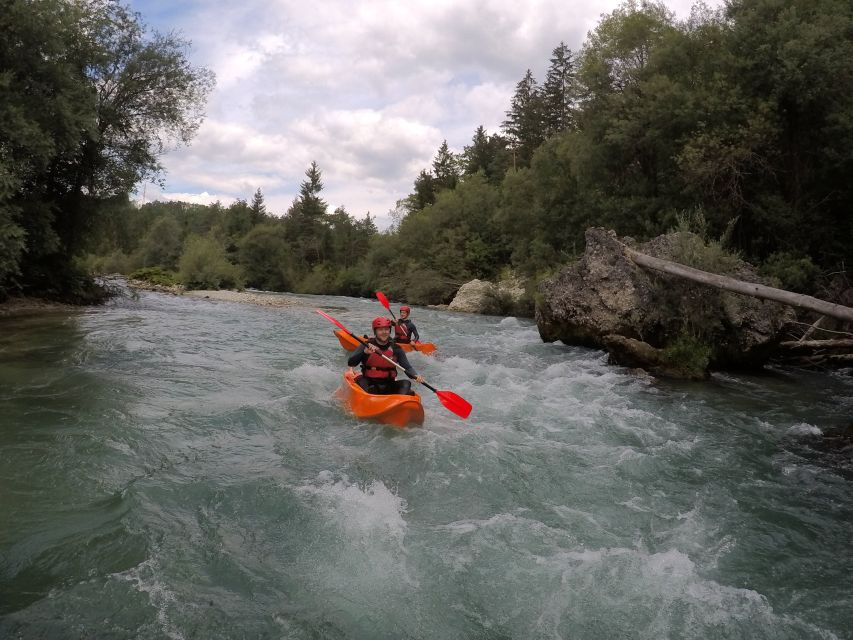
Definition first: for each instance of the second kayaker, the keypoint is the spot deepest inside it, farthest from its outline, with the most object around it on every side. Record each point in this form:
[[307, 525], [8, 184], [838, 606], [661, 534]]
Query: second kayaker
[[405, 330], [378, 375]]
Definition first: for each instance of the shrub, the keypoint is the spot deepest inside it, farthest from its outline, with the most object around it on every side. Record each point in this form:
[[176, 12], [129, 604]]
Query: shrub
[[688, 354], [203, 265], [155, 275], [790, 270]]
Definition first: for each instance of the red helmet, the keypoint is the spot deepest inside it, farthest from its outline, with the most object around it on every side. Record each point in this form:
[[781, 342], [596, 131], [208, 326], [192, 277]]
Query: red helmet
[[381, 321], [406, 309]]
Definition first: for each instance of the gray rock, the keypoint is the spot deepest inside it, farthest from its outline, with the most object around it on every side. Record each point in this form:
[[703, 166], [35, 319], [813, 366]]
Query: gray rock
[[605, 294], [477, 296]]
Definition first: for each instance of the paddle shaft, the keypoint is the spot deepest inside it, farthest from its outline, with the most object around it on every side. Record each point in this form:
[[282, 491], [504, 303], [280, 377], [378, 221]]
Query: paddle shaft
[[384, 302], [395, 363]]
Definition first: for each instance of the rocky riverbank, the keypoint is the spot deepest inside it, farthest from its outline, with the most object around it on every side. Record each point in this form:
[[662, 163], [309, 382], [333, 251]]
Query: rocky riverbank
[[220, 295], [245, 297], [664, 324]]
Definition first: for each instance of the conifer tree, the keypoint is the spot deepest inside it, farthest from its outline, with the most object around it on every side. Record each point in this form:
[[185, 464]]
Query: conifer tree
[[558, 92], [524, 123], [258, 208], [445, 168]]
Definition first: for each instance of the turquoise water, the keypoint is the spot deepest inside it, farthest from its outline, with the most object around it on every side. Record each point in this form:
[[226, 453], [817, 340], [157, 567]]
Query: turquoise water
[[179, 468]]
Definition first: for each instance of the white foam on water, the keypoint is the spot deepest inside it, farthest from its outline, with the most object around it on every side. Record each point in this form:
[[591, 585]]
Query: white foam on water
[[361, 511], [804, 429], [358, 559], [144, 578], [314, 381], [510, 323], [668, 586], [570, 514]]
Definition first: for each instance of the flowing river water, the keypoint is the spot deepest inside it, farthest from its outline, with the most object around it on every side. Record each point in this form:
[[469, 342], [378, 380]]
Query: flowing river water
[[180, 468]]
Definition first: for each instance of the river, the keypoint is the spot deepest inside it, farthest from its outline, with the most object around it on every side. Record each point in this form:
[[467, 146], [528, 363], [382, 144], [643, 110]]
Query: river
[[180, 468]]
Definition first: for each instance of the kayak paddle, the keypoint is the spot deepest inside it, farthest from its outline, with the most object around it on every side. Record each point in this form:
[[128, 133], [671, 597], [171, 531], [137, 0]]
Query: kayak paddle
[[455, 403], [381, 297]]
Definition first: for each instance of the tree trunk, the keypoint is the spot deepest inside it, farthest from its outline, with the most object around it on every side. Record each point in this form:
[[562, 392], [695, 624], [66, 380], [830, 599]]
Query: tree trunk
[[726, 283], [818, 344]]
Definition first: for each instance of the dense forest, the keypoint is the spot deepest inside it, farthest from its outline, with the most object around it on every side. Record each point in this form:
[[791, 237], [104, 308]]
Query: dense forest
[[740, 118]]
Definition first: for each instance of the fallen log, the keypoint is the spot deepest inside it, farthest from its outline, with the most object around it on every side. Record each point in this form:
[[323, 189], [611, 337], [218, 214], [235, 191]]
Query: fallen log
[[817, 344], [753, 289], [812, 328]]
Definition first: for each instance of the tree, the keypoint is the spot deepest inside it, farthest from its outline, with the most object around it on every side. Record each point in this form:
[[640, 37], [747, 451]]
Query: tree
[[424, 195], [203, 265], [307, 228], [88, 102], [258, 208], [162, 245], [445, 168], [487, 154], [266, 258], [558, 92], [524, 123]]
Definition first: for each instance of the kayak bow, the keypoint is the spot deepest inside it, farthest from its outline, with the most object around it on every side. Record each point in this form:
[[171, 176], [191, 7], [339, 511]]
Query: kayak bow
[[396, 410]]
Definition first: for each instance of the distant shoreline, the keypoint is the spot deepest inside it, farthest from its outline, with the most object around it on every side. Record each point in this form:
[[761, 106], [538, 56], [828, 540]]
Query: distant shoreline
[[15, 307], [245, 297], [221, 295]]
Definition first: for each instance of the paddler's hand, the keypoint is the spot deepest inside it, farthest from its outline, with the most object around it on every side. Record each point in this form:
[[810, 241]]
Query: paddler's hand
[[371, 348], [419, 379]]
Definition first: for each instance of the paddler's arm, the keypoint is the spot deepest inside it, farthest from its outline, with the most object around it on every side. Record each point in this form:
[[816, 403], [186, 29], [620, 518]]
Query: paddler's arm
[[403, 361], [357, 356], [413, 332]]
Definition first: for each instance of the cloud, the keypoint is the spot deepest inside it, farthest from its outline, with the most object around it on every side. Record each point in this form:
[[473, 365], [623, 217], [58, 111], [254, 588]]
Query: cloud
[[368, 90]]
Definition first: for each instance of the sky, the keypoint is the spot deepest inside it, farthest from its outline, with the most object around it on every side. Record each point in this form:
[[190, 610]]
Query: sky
[[367, 89]]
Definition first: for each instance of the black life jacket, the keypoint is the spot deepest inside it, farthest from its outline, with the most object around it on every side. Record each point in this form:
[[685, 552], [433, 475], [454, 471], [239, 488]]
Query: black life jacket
[[376, 367]]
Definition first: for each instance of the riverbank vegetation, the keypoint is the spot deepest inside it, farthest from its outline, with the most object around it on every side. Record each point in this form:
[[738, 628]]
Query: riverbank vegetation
[[744, 114], [89, 99]]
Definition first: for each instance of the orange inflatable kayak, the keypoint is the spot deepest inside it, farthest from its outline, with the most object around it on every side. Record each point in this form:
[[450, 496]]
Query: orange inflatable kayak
[[396, 410], [351, 344]]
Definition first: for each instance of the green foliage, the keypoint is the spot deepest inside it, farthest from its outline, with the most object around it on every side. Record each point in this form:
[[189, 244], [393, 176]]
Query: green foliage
[[88, 100], [114, 262], [693, 248], [740, 116], [559, 93], [155, 275], [203, 265], [427, 286], [162, 244], [790, 270], [266, 258], [525, 123], [12, 245], [688, 354]]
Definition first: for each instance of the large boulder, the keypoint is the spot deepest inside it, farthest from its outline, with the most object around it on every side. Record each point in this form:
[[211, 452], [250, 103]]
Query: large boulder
[[605, 294], [477, 296], [480, 296]]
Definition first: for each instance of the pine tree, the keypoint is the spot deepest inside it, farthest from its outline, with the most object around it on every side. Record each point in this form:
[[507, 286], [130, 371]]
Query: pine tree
[[258, 209], [445, 168], [312, 206], [425, 190], [476, 156], [306, 220], [559, 91], [487, 154], [524, 123]]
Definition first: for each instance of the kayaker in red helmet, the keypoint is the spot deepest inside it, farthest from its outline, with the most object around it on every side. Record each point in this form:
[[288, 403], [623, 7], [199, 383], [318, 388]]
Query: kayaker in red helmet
[[405, 330], [378, 375]]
